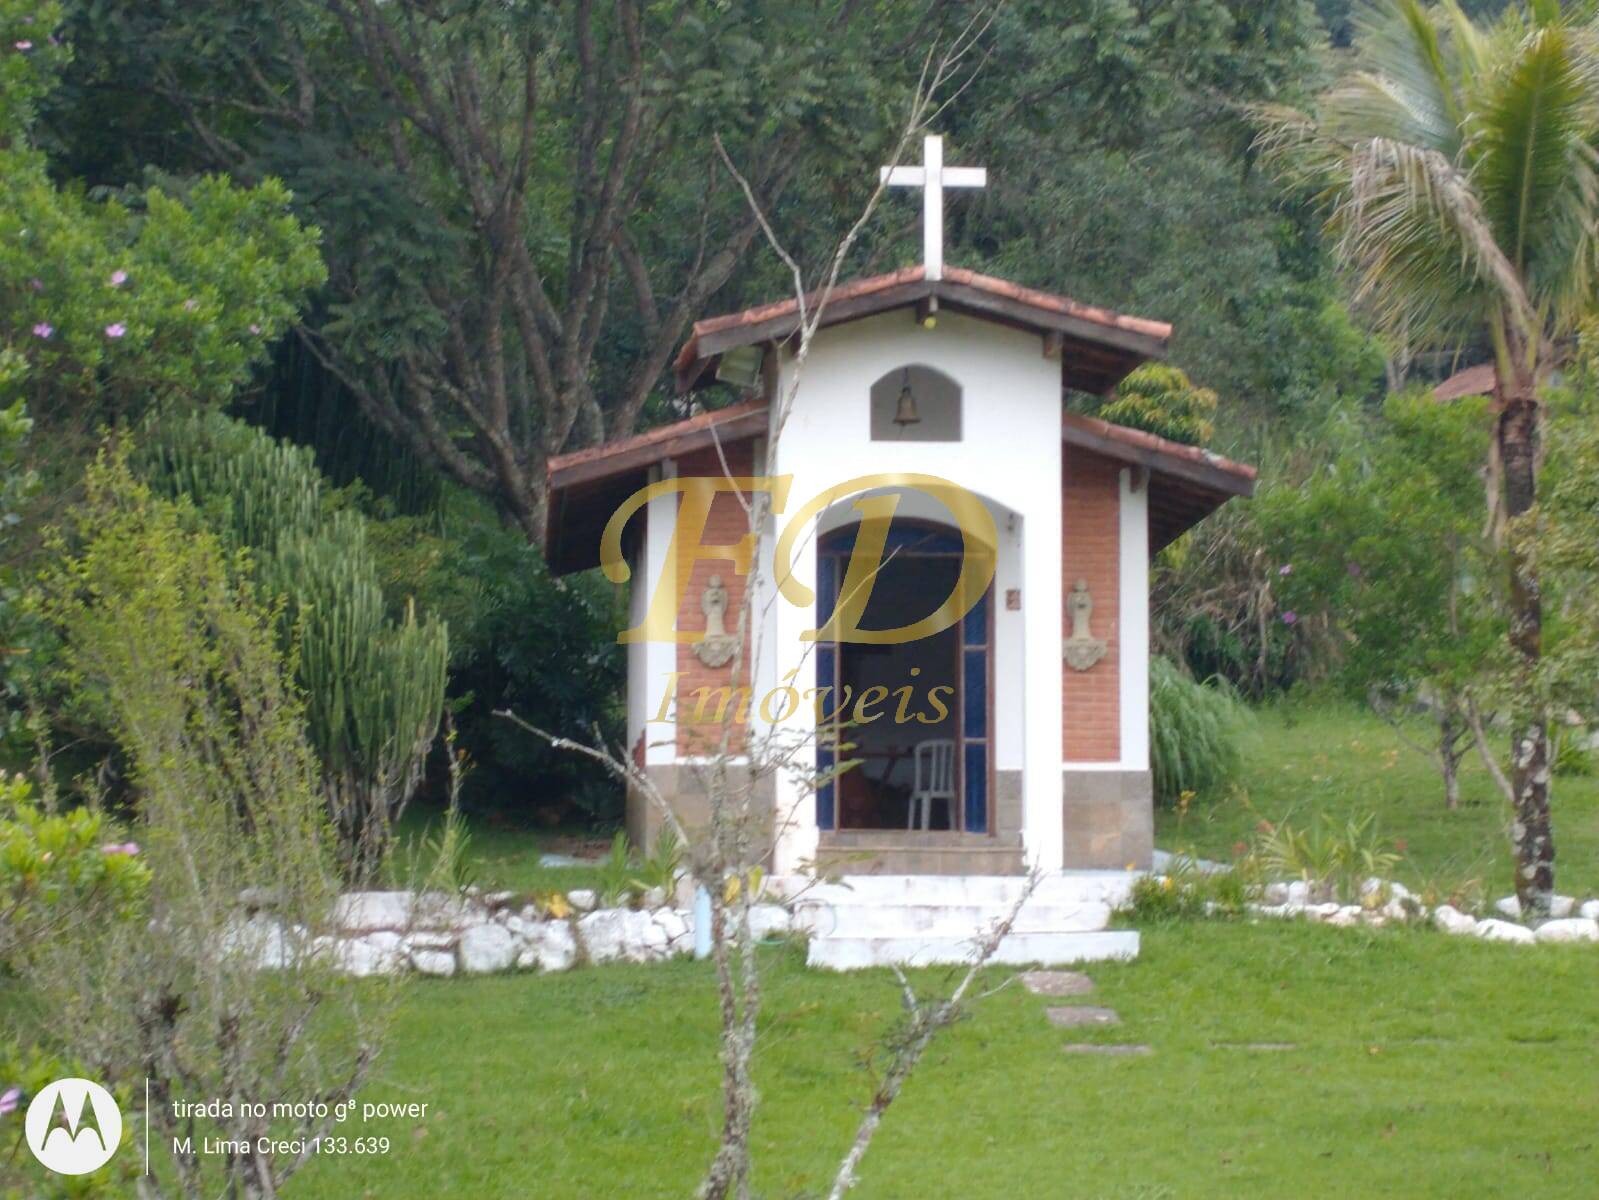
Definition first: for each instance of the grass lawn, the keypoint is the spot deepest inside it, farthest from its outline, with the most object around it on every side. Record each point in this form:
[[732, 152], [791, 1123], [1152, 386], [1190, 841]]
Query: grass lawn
[[1424, 1066], [1340, 761], [502, 856]]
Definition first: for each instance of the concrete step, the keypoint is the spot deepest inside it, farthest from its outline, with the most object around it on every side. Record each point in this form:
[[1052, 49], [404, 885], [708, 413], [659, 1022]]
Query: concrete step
[[998, 891], [918, 839], [821, 918], [1018, 949], [897, 859]]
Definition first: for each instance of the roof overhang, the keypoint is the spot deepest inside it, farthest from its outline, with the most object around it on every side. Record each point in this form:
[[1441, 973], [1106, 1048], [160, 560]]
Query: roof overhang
[[587, 486], [1096, 346], [1186, 483]]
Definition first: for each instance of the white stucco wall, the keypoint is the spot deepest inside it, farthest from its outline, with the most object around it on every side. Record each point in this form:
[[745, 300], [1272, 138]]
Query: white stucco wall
[[1010, 455]]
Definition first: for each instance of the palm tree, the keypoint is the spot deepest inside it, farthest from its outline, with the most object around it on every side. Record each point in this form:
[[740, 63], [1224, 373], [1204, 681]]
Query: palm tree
[[1460, 169]]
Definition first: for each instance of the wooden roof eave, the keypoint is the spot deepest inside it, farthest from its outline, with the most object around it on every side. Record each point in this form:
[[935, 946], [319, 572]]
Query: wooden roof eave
[[1210, 476]]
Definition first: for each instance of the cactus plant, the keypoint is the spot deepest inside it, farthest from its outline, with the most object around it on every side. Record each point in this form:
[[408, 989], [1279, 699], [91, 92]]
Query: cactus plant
[[374, 686]]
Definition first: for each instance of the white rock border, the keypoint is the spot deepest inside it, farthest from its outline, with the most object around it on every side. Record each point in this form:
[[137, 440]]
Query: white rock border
[[1385, 900], [440, 935]]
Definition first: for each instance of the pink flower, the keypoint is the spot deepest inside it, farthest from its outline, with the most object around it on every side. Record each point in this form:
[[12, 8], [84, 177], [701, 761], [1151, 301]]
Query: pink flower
[[255, 329], [43, 329], [36, 284], [118, 278], [9, 1100], [1286, 569], [1290, 617], [1354, 570], [190, 304], [128, 848], [24, 46], [116, 329]]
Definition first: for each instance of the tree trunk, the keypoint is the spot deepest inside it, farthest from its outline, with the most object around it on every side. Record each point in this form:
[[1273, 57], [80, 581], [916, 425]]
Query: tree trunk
[[1452, 730], [1531, 834]]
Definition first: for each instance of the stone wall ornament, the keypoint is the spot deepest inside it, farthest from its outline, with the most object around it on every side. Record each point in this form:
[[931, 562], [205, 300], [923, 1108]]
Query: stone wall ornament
[[1082, 649], [717, 647]]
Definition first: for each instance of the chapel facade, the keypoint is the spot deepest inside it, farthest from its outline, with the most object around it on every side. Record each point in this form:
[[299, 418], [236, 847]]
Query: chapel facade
[[948, 642]]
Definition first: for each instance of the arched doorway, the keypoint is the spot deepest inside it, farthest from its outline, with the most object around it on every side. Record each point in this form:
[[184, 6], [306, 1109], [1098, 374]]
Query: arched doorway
[[883, 706]]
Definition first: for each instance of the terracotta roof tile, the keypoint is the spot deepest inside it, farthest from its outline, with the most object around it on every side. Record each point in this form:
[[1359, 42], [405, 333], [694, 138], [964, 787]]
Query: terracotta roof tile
[[782, 308], [1159, 445], [1044, 302], [653, 437], [1061, 304]]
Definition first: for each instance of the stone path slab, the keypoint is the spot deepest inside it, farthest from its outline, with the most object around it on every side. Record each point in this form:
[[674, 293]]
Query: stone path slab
[[1076, 1015], [1110, 1049], [1057, 983], [1256, 1045]]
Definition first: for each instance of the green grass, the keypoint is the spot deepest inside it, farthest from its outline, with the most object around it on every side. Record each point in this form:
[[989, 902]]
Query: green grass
[[1424, 1066], [1301, 761], [499, 857]]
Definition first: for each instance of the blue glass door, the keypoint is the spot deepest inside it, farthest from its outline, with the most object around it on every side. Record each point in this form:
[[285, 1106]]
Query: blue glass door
[[874, 793]]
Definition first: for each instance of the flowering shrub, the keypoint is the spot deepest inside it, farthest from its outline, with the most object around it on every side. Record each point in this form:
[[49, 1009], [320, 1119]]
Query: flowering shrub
[[23, 1074], [57, 870], [108, 307], [1335, 860]]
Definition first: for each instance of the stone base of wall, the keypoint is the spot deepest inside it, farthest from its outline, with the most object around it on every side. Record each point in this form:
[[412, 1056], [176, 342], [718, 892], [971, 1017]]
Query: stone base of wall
[[1007, 807], [1109, 819], [684, 786]]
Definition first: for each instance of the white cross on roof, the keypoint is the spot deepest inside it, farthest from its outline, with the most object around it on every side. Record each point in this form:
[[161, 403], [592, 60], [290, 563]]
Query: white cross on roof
[[934, 176]]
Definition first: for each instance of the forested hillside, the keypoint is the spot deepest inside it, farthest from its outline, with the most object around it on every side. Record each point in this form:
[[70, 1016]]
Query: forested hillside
[[520, 209]]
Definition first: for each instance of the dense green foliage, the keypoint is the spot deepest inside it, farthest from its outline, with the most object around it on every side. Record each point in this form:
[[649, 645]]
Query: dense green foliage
[[1388, 575], [1111, 132], [374, 686], [162, 293], [1456, 166], [1162, 400], [18, 483], [60, 870], [1385, 548]]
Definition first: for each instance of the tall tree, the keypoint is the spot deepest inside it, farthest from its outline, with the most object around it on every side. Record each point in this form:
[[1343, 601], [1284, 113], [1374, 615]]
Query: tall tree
[[524, 205], [1117, 138], [1459, 167]]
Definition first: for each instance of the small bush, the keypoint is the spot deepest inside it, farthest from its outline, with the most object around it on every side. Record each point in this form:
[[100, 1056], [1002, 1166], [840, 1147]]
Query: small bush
[[616, 883], [60, 871], [1194, 731], [1334, 859], [664, 866], [1569, 758], [1185, 892], [1164, 401], [165, 644]]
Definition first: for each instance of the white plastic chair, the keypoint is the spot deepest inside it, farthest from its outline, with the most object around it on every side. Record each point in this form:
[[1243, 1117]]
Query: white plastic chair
[[935, 780]]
